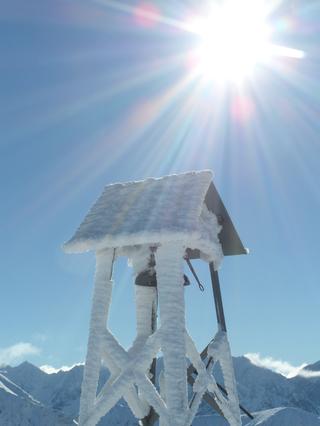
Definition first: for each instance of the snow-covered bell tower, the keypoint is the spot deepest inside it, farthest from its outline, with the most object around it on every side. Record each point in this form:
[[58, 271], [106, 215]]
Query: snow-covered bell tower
[[158, 224]]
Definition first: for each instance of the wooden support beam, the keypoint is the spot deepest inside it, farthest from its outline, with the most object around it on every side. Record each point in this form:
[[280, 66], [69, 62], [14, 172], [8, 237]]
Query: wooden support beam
[[217, 297], [152, 416]]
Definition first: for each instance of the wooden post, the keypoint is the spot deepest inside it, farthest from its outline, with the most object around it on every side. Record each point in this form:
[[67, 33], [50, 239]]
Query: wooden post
[[99, 314], [217, 297], [146, 306], [169, 269]]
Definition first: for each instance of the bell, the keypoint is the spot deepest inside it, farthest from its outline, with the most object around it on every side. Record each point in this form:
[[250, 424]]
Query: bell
[[148, 278]]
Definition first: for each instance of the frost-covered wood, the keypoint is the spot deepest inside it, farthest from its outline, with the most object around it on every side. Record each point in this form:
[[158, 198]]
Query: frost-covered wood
[[146, 308], [219, 350], [169, 269], [159, 218], [99, 314]]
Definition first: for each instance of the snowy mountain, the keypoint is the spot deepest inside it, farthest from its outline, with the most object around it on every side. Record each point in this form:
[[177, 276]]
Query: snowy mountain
[[60, 391], [310, 386], [28, 396], [17, 407], [282, 416], [261, 388]]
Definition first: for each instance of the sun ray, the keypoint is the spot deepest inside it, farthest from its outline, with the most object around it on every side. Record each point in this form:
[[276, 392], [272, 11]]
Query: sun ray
[[203, 115]]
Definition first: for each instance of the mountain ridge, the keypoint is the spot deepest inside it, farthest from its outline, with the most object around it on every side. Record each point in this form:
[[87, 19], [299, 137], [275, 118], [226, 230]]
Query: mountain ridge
[[55, 397]]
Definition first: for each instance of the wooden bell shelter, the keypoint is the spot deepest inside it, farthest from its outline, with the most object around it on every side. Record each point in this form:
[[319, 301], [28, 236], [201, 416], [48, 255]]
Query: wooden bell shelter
[[158, 224]]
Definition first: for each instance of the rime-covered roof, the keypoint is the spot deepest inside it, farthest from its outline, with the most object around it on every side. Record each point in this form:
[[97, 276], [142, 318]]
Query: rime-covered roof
[[148, 211]]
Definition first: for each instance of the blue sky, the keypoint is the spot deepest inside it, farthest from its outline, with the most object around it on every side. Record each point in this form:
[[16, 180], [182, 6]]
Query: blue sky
[[92, 95]]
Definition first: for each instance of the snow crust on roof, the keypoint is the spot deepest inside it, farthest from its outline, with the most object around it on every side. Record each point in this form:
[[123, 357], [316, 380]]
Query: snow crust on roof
[[151, 211]]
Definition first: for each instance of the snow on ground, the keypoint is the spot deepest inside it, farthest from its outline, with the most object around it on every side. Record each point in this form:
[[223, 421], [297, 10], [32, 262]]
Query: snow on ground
[[284, 416], [18, 408]]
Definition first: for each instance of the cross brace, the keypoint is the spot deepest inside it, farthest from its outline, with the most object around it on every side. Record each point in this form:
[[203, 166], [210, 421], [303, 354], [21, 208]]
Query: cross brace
[[192, 372]]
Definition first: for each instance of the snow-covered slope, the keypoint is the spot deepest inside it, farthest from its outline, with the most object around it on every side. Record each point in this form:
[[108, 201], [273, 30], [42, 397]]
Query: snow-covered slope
[[310, 387], [278, 391], [28, 396], [284, 416], [261, 389], [59, 391], [18, 408]]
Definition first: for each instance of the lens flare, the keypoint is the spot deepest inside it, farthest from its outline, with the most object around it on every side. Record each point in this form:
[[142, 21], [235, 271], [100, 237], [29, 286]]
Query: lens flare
[[233, 39]]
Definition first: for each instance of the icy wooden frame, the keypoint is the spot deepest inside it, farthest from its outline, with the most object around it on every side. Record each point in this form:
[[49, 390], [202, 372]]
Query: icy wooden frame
[[173, 213], [129, 370]]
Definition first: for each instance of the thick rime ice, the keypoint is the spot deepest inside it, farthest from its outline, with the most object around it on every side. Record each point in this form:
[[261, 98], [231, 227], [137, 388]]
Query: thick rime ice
[[219, 350], [138, 258], [99, 314], [208, 241], [171, 300], [146, 308], [155, 219], [145, 212], [146, 303]]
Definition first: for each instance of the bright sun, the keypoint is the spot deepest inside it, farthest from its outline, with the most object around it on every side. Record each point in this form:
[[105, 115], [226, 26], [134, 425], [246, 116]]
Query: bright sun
[[234, 37]]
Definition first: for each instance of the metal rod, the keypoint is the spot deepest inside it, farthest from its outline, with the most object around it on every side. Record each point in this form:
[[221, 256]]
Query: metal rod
[[207, 396], [217, 297], [240, 406], [194, 274], [113, 259]]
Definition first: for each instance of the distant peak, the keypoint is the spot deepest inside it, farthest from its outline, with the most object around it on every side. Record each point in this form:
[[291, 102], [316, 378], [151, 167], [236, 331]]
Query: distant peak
[[313, 367], [26, 365]]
